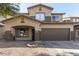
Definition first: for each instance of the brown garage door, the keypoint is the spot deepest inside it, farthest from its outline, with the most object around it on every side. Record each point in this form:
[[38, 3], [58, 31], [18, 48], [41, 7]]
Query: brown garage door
[[55, 34]]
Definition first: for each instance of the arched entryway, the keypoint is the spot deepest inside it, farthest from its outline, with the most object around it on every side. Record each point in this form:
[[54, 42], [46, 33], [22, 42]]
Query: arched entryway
[[23, 32], [76, 30]]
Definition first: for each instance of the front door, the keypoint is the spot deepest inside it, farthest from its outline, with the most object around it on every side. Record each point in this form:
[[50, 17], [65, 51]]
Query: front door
[[33, 34], [77, 34]]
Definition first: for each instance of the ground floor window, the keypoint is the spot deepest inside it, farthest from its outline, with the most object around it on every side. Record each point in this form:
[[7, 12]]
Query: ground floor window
[[22, 32]]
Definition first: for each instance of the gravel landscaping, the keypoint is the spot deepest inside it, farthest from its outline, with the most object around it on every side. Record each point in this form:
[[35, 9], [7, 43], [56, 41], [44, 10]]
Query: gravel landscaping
[[39, 48]]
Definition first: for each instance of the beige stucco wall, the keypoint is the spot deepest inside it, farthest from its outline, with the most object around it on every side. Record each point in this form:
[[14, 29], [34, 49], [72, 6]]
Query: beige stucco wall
[[57, 26], [35, 10], [17, 22]]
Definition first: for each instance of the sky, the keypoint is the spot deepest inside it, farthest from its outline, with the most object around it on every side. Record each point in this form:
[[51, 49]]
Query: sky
[[71, 9]]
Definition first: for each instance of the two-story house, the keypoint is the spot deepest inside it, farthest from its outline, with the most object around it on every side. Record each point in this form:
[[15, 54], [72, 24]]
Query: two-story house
[[40, 23]]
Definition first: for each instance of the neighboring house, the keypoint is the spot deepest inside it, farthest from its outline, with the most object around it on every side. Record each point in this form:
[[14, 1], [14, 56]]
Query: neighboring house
[[1, 30], [41, 24], [72, 19]]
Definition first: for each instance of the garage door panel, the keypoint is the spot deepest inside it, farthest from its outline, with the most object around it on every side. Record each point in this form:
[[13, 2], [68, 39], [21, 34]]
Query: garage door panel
[[55, 34]]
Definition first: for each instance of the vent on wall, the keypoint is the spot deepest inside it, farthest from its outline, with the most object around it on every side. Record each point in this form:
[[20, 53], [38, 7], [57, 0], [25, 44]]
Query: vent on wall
[[40, 8], [22, 20]]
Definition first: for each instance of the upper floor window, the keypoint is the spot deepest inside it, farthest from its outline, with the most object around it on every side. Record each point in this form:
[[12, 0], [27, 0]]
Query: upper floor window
[[56, 18], [40, 16]]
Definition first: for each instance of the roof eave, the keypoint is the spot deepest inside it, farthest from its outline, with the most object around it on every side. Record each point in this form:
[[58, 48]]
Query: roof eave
[[58, 13], [18, 16], [40, 5]]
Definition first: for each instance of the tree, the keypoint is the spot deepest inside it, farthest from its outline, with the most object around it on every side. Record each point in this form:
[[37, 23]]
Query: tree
[[9, 9]]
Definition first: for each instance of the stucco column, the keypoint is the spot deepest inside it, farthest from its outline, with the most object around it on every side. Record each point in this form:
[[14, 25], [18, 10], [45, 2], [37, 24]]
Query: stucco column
[[37, 34], [72, 33], [13, 31]]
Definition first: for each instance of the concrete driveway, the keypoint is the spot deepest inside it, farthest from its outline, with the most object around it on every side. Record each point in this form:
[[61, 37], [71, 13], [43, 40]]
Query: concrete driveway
[[39, 48]]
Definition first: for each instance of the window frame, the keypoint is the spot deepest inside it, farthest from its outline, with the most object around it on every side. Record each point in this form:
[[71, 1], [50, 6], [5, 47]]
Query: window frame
[[40, 13], [56, 20], [19, 31]]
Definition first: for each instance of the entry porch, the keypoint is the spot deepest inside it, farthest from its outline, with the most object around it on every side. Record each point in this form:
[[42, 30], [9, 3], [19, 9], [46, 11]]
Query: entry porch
[[23, 32]]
